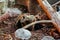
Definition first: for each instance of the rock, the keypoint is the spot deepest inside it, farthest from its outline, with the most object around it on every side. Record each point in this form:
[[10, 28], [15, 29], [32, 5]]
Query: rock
[[22, 33]]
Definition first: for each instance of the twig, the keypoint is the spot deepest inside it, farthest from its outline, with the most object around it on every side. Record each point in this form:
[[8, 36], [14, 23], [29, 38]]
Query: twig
[[56, 3], [42, 21]]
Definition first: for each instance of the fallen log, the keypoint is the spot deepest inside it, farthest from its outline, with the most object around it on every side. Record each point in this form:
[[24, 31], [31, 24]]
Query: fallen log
[[50, 13]]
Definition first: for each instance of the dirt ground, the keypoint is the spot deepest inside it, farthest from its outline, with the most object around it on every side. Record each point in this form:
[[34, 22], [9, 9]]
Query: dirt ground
[[7, 30]]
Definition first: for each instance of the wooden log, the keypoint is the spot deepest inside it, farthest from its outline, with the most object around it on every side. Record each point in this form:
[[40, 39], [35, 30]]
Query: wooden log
[[44, 8], [50, 13]]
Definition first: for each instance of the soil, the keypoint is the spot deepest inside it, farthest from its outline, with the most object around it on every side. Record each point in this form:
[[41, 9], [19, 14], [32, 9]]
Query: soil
[[7, 30]]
